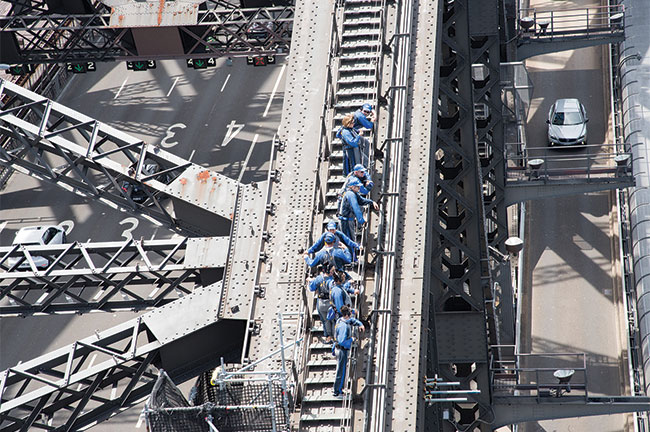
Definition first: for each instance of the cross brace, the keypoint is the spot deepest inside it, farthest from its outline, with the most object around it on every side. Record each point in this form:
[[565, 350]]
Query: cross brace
[[99, 376], [62, 146], [109, 276], [224, 30]]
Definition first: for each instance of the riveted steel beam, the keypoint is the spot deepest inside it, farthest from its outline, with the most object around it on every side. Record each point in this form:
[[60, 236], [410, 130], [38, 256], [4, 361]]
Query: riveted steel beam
[[218, 28], [99, 376], [73, 151], [108, 276], [460, 276]]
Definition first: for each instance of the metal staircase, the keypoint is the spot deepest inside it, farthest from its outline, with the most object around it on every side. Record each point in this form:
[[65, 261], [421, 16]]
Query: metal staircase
[[359, 40], [357, 83]]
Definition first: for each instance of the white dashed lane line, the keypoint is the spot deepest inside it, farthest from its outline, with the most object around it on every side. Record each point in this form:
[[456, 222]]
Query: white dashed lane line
[[248, 156], [225, 82], [275, 88], [172, 87], [121, 87]]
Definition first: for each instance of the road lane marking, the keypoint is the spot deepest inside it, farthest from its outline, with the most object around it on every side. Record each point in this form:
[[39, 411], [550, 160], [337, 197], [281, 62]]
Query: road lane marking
[[170, 134], [127, 232], [224, 83], [3, 225], [248, 156], [173, 85], [191, 155], [140, 419], [121, 87], [231, 133], [275, 88]]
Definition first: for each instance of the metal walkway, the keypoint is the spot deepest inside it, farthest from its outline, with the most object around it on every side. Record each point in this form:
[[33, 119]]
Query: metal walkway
[[545, 31], [358, 39]]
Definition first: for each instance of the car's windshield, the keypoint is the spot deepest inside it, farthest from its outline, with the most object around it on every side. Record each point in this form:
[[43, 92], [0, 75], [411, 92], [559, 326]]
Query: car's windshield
[[567, 118]]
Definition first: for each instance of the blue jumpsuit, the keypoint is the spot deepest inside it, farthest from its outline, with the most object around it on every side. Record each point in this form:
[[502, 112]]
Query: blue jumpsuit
[[364, 189], [330, 256], [318, 245], [361, 121], [341, 348], [321, 285], [350, 213], [352, 148]]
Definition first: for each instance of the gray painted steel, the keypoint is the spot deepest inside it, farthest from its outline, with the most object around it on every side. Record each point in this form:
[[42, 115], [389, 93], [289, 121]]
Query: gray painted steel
[[93, 159], [106, 276], [223, 29], [518, 409], [568, 29], [636, 99], [396, 397], [172, 337]]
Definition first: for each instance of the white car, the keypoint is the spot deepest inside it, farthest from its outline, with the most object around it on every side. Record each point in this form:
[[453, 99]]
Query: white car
[[37, 235], [567, 123]]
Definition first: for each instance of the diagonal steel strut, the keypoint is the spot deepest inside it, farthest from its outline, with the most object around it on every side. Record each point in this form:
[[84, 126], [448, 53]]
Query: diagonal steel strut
[[221, 29], [108, 276], [62, 146]]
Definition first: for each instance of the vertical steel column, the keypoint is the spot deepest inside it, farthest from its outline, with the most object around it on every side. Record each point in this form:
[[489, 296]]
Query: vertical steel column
[[486, 52], [461, 280]]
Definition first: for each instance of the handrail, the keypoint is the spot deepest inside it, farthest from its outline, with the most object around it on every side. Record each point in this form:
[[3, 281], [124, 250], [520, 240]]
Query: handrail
[[561, 22]]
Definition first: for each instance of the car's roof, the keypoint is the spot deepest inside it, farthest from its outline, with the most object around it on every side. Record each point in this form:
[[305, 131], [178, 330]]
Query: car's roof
[[31, 234], [565, 105]]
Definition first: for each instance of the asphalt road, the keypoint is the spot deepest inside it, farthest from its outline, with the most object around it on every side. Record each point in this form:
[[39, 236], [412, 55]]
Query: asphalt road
[[571, 293], [223, 118]]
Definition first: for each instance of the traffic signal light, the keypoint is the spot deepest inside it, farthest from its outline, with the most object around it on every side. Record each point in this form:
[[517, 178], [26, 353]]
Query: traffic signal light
[[200, 63], [141, 65], [20, 69], [79, 68]]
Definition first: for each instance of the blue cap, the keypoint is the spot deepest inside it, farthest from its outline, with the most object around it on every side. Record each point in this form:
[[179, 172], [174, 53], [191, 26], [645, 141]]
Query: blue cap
[[331, 225], [354, 181], [359, 167], [329, 238], [366, 107]]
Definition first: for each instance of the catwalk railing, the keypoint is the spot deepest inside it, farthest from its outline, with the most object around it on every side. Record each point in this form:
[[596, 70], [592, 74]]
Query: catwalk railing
[[590, 163], [539, 375], [559, 23]]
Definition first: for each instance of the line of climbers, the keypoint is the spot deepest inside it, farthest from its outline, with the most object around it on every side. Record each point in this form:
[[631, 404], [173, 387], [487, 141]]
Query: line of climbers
[[337, 248]]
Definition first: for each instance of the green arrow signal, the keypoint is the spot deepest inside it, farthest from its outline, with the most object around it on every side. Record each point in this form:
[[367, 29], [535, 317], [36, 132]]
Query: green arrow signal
[[199, 63], [18, 69], [78, 68], [139, 65]]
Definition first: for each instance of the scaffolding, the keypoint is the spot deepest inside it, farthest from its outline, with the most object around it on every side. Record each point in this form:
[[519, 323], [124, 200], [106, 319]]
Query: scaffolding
[[226, 400]]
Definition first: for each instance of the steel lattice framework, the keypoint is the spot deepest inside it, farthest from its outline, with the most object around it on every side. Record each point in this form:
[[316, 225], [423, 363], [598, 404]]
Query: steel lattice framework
[[222, 29], [59, 145], [101, 375], [107, 276], [461, 282]]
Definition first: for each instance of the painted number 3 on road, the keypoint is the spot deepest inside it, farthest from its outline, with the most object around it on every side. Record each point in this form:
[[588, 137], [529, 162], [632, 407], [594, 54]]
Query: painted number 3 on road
[[170, 134]]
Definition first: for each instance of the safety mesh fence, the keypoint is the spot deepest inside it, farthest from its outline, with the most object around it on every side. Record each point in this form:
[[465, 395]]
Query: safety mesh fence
[[235, 405]]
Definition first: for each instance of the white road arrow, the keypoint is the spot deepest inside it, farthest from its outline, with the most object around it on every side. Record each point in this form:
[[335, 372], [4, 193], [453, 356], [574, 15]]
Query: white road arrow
[[233, 130]]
